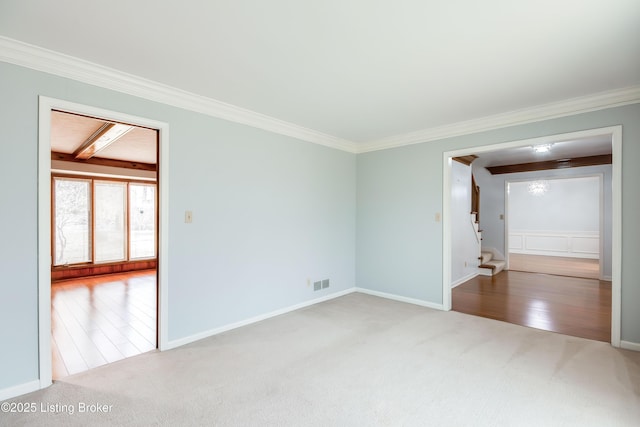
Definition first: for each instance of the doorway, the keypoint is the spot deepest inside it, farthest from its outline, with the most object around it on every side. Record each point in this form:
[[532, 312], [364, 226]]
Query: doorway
[[615, 134], [556, 226], [104, 241], [46, 230]]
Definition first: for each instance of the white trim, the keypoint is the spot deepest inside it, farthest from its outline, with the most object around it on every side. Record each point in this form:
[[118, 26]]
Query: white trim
[[18, 390], [628, 345], [44, 221], [616, 239], [447, 229], [48, 61], [553, 110], [601, 224], [37, 58], [464, 279], [616, 236], [44, 243], [414, 301], [506, 224], [206, 334], [163, 235]]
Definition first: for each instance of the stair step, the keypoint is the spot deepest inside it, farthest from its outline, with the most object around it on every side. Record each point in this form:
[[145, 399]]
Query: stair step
[[491, 268], [485, 257]]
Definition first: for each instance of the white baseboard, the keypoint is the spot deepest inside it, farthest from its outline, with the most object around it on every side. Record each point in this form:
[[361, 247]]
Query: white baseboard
[[401, 299], [196, 337], [18, 390], [205, 334], [464, 279], [628, 345]]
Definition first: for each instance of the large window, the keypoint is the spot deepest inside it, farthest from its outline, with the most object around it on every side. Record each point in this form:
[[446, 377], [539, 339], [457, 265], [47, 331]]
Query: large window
[[72, 218], [99, 221], [142, 220]]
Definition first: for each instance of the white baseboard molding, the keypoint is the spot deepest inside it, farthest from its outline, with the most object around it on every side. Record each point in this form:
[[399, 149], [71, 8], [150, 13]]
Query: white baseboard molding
[[464, 279], [18, 390], [401, 299], [628, 345], [206, 334]]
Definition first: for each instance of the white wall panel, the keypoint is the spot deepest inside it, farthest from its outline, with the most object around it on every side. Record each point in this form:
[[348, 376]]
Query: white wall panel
[[555, 244]]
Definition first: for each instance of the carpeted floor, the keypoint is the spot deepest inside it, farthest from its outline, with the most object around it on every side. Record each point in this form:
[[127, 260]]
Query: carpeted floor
[[357, 360]]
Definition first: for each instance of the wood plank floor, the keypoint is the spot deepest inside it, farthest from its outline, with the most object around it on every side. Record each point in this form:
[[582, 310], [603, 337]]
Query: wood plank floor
[[568, 305], [99, 320], [563, 266]]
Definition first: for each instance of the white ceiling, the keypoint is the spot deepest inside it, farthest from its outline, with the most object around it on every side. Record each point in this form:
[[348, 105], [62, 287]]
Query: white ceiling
[[360, 70], [583, 147]]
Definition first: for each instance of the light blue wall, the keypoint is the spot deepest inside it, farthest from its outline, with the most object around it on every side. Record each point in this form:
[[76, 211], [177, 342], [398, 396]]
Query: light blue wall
[[399, 243], [269, 212]]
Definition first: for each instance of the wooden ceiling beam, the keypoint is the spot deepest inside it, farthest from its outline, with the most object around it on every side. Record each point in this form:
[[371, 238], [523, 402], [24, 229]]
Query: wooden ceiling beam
[[104, 162], [604, 159], [465, 160], [106, 135]]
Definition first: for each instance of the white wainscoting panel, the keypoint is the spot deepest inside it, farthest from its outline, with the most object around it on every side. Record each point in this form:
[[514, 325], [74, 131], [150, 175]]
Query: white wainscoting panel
[[567, 244], [585, 245]]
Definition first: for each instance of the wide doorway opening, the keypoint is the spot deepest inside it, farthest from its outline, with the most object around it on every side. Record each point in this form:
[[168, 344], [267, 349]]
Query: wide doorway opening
[[544, 293], [102, 237]]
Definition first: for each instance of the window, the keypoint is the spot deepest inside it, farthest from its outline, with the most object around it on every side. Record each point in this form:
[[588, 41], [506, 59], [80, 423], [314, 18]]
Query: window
[[72, 217], [110, 221], [100, 221], [142, 217]]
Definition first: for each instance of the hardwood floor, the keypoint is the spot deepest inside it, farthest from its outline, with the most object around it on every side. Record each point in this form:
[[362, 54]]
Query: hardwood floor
[[564, 266], [568, 305], [99, 320]]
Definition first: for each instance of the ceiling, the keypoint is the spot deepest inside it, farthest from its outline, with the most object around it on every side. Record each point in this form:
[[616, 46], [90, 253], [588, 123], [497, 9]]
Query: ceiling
[[584, 147], [354, 69], [70, 131]]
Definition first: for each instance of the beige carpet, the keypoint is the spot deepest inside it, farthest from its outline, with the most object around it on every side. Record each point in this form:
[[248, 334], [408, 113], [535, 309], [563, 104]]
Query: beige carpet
[[358, 361]]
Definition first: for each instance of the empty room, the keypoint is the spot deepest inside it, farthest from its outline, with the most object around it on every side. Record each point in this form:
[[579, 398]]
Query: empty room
[[289, 251]]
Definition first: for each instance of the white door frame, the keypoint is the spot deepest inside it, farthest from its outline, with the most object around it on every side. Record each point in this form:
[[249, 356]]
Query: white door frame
[[46, 105], [615, 132]]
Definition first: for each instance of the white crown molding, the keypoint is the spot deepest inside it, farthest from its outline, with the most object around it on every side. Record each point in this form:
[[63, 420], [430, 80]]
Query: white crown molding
[[37, 58], [598, 101], [48, 61]]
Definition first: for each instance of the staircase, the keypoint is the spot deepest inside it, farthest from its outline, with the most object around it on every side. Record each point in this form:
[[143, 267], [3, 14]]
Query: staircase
[[489, 266]]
